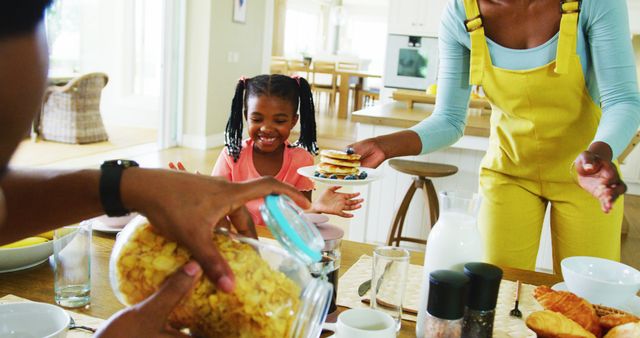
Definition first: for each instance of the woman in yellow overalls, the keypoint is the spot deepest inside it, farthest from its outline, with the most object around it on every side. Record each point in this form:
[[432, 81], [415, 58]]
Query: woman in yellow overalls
[[560, 77]]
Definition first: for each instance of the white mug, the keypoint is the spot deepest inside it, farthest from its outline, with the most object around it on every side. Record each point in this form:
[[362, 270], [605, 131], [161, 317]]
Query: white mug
[[367, 323]]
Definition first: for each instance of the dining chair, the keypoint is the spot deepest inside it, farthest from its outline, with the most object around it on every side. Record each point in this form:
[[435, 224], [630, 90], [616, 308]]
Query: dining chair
[[278, 65], [71, 113], [323, 80], [298, 67]]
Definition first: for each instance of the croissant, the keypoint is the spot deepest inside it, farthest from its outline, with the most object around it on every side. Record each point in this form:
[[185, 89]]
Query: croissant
[[628, 330], [608, 322], [549, 324], [570, 305]]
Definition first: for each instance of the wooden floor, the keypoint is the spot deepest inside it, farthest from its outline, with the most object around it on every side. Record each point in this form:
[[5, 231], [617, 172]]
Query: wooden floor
[[332, 133]]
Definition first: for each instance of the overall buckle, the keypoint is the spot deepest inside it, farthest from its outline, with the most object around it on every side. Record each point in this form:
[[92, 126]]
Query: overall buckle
[[570, 6], [474, 23]]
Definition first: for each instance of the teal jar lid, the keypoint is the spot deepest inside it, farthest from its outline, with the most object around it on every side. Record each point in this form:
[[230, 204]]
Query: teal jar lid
[[297, 235]]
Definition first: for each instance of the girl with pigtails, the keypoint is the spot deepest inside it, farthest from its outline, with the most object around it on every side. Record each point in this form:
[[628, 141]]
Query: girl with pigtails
[[270, 103]]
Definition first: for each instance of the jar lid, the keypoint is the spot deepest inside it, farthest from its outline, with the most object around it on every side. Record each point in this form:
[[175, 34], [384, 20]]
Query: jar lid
[[484, 285], [447, 294], [285, 221]]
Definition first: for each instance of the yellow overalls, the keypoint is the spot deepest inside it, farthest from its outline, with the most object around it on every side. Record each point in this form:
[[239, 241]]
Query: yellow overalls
[[542, 119]]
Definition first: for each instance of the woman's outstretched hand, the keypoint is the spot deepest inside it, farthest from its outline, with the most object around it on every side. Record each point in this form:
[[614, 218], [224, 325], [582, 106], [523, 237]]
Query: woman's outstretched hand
[[600, 178]]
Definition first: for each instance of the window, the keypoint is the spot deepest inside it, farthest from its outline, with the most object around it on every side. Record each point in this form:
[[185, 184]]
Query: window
[[302, 33], [63, 34]]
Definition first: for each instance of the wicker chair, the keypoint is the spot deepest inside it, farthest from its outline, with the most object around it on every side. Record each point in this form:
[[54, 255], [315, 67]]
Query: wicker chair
[[71, 113]]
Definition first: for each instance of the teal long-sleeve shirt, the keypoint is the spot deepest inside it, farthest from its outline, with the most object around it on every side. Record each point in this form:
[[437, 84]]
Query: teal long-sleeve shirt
[[606, 54]]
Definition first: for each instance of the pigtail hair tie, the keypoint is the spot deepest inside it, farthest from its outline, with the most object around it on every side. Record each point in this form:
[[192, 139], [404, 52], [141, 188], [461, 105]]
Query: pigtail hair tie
[[297, 78]]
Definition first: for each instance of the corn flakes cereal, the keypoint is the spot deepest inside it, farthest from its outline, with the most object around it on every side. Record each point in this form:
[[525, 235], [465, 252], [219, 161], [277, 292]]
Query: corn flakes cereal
[[264, 302]]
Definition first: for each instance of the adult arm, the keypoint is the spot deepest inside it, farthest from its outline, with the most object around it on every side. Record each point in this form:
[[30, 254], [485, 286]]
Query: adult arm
[[615, 70], [183, 206], [446, 124]]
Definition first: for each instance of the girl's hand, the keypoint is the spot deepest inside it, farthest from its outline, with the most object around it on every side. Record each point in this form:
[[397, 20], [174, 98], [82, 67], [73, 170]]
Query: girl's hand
[[336, 203], [149, 317], [370, 151], [600, 178], [179, 166]]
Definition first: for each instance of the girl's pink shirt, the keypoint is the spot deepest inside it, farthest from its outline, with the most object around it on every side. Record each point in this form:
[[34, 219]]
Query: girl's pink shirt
[[244, 170]]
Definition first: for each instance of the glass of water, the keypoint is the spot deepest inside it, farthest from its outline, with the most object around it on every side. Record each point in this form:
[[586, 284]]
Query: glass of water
[[72, 265], [389, 279]]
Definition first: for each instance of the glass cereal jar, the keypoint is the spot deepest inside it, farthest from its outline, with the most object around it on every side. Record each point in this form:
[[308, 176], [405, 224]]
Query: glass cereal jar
[[275, 294]]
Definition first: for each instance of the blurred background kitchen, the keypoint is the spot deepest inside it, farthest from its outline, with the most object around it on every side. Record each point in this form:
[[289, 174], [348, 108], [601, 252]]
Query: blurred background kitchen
[[160, 75]]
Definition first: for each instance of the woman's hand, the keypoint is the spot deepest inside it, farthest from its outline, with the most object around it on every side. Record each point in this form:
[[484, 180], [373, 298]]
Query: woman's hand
[[370, 151], [600, 178], [187, 207], [376, 150], [336, 203], [149, 317]]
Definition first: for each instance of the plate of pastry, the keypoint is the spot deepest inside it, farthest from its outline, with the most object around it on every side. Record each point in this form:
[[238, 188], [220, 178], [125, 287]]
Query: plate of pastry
[[567, 315], [340, 168]]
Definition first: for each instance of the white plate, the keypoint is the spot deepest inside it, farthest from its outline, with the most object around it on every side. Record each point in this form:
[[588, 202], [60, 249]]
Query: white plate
[[108, 224], [372, 175], [632, 306]]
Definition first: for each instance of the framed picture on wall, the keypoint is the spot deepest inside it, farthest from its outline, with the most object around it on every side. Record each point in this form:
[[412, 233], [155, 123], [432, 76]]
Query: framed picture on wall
[[239, 10]]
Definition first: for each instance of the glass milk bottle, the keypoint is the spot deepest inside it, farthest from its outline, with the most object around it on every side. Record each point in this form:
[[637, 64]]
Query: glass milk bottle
[[453, 241]]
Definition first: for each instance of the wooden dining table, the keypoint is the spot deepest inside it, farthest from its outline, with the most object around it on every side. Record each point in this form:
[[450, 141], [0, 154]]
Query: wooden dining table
[[344, 78], [36, 283]]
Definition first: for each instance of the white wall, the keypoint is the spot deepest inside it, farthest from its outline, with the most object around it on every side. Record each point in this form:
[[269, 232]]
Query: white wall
[[219, 51]]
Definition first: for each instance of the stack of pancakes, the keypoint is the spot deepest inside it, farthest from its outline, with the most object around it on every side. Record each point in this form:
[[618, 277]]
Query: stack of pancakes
[[339, 163]]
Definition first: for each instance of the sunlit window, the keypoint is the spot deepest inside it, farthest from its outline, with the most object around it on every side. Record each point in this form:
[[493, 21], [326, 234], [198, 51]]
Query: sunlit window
[[302, 33], [63, 33]]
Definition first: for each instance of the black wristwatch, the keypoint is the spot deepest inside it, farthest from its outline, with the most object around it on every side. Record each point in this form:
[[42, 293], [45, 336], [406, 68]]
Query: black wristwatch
[[110, 186]]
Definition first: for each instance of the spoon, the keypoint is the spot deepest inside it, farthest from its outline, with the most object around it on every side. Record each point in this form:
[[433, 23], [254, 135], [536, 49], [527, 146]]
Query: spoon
[[73, 326], [515, 312]]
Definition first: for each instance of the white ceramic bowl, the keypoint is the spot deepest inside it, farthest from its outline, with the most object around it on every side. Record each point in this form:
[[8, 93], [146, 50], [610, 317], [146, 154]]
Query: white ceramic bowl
[[599, 280], [33, 319], [14, 259]]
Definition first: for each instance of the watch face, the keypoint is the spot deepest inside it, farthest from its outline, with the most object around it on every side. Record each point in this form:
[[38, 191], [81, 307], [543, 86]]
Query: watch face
[[120, 163]]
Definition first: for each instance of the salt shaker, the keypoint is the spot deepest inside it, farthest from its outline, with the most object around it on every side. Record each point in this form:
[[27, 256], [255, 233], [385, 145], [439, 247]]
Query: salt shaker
[[483, 296], [446, 304]]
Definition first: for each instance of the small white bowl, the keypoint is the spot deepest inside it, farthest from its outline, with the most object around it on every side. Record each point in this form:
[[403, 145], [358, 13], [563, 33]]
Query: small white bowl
[[32, 319], [600, 281]]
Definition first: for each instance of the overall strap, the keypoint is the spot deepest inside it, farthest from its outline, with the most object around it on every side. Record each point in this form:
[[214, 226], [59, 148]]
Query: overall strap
[[567, 39], [474, 26]]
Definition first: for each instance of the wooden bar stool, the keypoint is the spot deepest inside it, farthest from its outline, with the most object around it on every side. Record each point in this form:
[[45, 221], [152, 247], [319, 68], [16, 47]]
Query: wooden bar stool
[[423, 172]]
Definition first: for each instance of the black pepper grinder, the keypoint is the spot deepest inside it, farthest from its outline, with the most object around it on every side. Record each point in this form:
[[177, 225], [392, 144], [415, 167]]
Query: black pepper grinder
[[483, 296], [445, 308]]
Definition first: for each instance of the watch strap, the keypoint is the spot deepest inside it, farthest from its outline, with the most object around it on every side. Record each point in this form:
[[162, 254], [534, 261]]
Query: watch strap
[[110, 180]]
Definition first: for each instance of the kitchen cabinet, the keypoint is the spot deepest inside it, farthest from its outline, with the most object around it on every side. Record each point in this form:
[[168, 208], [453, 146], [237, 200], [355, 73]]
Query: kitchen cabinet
[[415, 17]]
